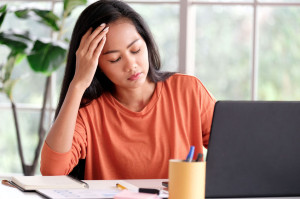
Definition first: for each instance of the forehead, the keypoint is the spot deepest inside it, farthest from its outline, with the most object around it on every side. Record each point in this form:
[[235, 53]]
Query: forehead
[[121, 33]]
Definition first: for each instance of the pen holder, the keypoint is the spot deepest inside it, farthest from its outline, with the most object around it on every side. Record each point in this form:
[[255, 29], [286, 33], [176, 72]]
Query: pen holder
[[186, 179]]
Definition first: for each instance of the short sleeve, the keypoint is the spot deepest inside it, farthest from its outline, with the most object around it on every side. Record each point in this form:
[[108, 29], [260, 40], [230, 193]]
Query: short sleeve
[[207, 104]]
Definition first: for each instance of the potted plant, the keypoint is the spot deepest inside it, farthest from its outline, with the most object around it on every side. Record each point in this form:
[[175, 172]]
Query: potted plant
[[44, 55]]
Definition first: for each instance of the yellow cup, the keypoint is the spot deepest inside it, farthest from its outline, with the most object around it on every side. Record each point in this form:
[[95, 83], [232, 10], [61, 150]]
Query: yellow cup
[[186, 179]]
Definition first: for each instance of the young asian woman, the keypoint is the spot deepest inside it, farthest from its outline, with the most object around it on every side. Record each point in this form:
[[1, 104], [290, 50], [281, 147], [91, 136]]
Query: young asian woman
[[117, 110]]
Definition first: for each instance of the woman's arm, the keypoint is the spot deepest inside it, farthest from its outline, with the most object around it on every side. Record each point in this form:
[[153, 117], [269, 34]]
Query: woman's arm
[[61, 133]]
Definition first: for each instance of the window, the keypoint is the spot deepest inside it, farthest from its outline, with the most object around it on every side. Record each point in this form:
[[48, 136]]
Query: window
[[239, 49]]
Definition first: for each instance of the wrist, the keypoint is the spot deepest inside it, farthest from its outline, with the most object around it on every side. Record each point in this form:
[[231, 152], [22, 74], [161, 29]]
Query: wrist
[[77, 86]]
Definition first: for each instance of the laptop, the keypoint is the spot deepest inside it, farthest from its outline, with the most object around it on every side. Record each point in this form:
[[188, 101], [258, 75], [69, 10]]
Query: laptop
[[254, 150]]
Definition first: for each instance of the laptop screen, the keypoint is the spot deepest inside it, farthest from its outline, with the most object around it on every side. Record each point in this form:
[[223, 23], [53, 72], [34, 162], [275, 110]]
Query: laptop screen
[[254, 149]]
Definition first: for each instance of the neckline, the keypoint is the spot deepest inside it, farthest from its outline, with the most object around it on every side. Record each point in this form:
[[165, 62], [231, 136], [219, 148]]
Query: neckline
[[120, 107]]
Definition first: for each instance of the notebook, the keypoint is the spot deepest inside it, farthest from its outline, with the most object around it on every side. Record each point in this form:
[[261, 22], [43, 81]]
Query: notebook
[[32, 183], [254, 150]]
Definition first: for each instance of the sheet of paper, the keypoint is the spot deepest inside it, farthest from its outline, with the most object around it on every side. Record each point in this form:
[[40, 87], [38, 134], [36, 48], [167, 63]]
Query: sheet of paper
[[103, 189], [97, 189], [78, 193]]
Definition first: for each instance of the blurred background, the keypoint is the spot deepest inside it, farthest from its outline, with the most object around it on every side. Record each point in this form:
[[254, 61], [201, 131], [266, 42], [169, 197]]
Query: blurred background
[[239, 49]]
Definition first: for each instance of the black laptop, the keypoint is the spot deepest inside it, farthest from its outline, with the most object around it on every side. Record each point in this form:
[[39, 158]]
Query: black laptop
[[254, 150]]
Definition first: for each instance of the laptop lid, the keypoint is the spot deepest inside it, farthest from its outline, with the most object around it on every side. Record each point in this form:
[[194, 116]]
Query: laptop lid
[[254, 149]]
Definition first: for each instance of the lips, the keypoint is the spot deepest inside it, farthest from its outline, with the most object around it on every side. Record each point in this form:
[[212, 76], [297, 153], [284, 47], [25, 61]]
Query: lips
[[134, 76]]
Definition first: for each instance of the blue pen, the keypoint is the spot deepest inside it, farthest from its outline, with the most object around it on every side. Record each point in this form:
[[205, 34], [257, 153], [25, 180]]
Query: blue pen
[[190, 156]]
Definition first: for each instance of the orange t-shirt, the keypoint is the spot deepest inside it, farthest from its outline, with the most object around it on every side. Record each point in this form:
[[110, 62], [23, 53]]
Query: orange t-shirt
[[121, 144]]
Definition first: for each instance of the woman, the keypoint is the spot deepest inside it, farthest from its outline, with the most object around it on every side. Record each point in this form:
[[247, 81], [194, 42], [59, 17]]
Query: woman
[[116, 110]]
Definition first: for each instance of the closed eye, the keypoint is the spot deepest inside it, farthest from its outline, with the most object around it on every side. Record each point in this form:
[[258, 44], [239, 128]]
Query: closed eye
[[133, 52], [136, 52], [114, 61]]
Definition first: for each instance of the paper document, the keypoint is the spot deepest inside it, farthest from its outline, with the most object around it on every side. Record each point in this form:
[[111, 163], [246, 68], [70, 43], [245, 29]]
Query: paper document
[[77, 193]]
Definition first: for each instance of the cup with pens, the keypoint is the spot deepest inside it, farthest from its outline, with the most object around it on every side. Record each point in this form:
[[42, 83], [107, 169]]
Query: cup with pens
[[187, 177]]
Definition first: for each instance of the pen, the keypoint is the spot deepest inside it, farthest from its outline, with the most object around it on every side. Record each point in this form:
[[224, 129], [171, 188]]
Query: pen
[[147, 190], [189, 157], [86, 185], [199, 157], [140, 190], [120, 186]]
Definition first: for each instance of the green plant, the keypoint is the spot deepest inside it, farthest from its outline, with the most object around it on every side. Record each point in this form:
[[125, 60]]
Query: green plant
[[42, 56]]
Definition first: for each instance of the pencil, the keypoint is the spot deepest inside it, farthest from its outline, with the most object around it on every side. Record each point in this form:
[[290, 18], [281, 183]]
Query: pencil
[[120, 186]]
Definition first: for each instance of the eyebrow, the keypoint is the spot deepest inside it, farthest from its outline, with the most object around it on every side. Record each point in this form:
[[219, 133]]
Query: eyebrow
[[114, 51]]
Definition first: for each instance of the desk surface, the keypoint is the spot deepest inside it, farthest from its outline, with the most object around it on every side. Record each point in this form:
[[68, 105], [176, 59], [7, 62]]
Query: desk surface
[[10, 192]]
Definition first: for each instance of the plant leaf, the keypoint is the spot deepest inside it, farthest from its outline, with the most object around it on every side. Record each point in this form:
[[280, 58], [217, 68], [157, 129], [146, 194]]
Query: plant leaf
[[46, 17], [3, 8], [17, 41], [23, 14], [3, 13], [70, 5], [20, 57], [46, 57]]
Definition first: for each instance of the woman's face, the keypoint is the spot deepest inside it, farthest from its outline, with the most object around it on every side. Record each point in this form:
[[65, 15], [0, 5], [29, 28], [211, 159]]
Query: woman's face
[[124, 58]]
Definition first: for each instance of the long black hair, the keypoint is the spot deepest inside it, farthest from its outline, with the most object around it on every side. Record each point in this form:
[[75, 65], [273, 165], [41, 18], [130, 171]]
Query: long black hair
[[107, 11]]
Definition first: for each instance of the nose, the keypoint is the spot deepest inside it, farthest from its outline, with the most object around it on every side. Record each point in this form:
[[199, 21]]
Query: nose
[[130, 64]]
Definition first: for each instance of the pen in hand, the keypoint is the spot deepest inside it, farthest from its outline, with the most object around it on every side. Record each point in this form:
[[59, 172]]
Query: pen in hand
[[190, 156]]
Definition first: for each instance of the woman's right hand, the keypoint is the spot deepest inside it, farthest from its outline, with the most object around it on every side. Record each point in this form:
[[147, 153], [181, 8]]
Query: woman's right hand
[[87, 55]]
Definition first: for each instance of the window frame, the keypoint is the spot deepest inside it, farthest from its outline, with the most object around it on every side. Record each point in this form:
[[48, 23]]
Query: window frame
[[186, 57]]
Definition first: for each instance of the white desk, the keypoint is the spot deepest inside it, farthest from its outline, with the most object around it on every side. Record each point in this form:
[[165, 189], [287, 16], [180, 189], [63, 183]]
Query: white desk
[[10, 192], [13, 193], [7, 192]]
